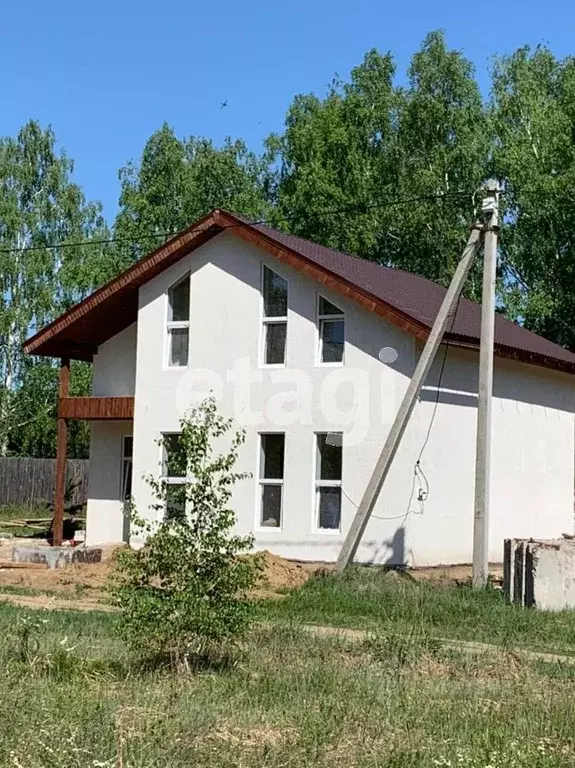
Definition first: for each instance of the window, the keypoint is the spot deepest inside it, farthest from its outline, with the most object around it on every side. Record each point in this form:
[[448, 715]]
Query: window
[[275, 295], [328, 480], [179, 323], [272, 449], [126, 483], [331, 324], [173, 474]]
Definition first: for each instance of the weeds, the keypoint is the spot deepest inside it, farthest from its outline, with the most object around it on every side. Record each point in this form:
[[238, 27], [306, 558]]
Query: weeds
[[72, 696], [401, 648], [370, 598]]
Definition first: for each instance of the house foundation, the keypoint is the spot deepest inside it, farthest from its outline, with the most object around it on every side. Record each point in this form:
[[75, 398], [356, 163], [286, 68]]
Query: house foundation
[[56, 557]]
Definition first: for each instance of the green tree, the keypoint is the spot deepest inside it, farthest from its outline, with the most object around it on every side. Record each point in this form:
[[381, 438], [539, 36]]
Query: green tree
[[39, 206], [338, 153], [369, 143], [34, 410], [533, 112], [187, 589], [179, 180], [443, 148]]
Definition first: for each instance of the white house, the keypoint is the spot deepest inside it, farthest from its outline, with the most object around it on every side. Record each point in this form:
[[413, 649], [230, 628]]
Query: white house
[[311, 350]]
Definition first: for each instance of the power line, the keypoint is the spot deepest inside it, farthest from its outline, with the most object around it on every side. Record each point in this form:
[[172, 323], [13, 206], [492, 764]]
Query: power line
[[360, 209]]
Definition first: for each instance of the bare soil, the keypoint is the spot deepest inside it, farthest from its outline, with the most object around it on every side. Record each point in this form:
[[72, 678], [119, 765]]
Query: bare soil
[[85, 583], [452, 575]]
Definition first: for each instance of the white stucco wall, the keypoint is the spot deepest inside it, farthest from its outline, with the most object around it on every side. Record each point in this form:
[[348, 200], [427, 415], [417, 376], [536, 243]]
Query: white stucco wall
[[532, 483], [114, 367], [113, 375], [531, 466], [105, 517], [225, 327]]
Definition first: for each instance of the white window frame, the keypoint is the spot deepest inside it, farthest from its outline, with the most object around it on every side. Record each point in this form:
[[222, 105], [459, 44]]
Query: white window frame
[[164, 477], [319, 323], [268, 481], [124, 461], [318, 483], [267, 321], [172, 325]]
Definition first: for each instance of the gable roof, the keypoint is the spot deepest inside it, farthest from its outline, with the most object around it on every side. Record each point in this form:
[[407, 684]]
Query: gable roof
[[409, 301]]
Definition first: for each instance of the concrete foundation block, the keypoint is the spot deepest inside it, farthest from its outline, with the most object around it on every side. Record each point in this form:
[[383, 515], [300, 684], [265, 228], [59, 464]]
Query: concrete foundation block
[[540, 573], [56, 557]]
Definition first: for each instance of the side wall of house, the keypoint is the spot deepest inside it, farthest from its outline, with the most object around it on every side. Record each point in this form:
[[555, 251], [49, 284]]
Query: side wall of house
[[114, 367], [114, 375], [531, 467], [105, 516]]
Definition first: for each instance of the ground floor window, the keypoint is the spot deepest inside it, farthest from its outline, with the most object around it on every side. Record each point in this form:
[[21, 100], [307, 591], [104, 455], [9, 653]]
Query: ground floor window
[[173, 475], [328, 480], [272, 453], [126, 481]]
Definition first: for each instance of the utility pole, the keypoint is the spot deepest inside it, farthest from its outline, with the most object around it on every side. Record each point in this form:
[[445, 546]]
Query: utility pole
[[441, 324], [483, 453]]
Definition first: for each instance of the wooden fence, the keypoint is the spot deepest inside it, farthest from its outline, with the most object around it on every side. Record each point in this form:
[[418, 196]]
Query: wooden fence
[[30, 482]]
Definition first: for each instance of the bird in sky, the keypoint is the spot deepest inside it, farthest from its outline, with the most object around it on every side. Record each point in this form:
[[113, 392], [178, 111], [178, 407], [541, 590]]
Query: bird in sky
[[224, 104]]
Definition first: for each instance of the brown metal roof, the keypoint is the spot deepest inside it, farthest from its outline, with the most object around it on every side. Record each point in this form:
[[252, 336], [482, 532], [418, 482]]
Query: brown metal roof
[[409, 301]]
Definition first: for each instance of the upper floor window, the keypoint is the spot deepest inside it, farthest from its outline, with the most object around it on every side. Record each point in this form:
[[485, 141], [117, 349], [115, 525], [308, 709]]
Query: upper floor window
[[179, 323], [275, 295], [331, 325]]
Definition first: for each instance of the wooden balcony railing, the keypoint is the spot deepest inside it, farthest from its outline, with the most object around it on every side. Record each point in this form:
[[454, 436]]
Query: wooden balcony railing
[[96, 408]]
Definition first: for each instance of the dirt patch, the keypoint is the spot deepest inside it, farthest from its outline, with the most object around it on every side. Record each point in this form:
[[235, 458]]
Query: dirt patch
[[278, 578], [45, 602], [452, 575], [74, 580], [88, 581], [280, 575]]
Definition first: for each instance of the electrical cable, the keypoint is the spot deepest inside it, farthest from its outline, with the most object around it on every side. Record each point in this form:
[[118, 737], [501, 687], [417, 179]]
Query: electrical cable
[[361, 209], [418, 473]]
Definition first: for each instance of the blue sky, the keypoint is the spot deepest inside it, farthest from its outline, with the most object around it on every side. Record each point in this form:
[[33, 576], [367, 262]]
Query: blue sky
[[107, 74]]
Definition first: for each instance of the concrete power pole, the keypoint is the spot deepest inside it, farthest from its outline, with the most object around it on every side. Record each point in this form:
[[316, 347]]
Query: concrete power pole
[[441, 324], [483, 452]]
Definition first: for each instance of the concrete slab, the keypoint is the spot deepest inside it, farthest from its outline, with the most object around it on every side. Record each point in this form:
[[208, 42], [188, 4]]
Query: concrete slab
[[56, 557], [540, 573]]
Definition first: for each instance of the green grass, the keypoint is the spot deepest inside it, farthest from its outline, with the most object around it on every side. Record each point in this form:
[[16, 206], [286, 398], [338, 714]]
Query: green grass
[[19, 512], [364, 598], [284, 700]]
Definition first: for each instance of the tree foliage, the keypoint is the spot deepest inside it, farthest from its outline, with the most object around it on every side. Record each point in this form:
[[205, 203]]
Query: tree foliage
[[370, 143], [39, 206], [179, 180], [533, 112], [187, 588]]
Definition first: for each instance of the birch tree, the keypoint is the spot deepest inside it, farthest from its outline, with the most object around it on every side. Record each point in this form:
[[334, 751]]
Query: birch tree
[[39, 206], [533, 111], [176, 181], [370, 143]]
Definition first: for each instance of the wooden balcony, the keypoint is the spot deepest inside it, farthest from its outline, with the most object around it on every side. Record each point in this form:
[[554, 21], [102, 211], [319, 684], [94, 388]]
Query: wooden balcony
[[96, 408]]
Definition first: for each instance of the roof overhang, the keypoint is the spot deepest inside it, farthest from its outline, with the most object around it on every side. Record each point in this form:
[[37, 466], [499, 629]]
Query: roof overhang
[[79, 332]]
